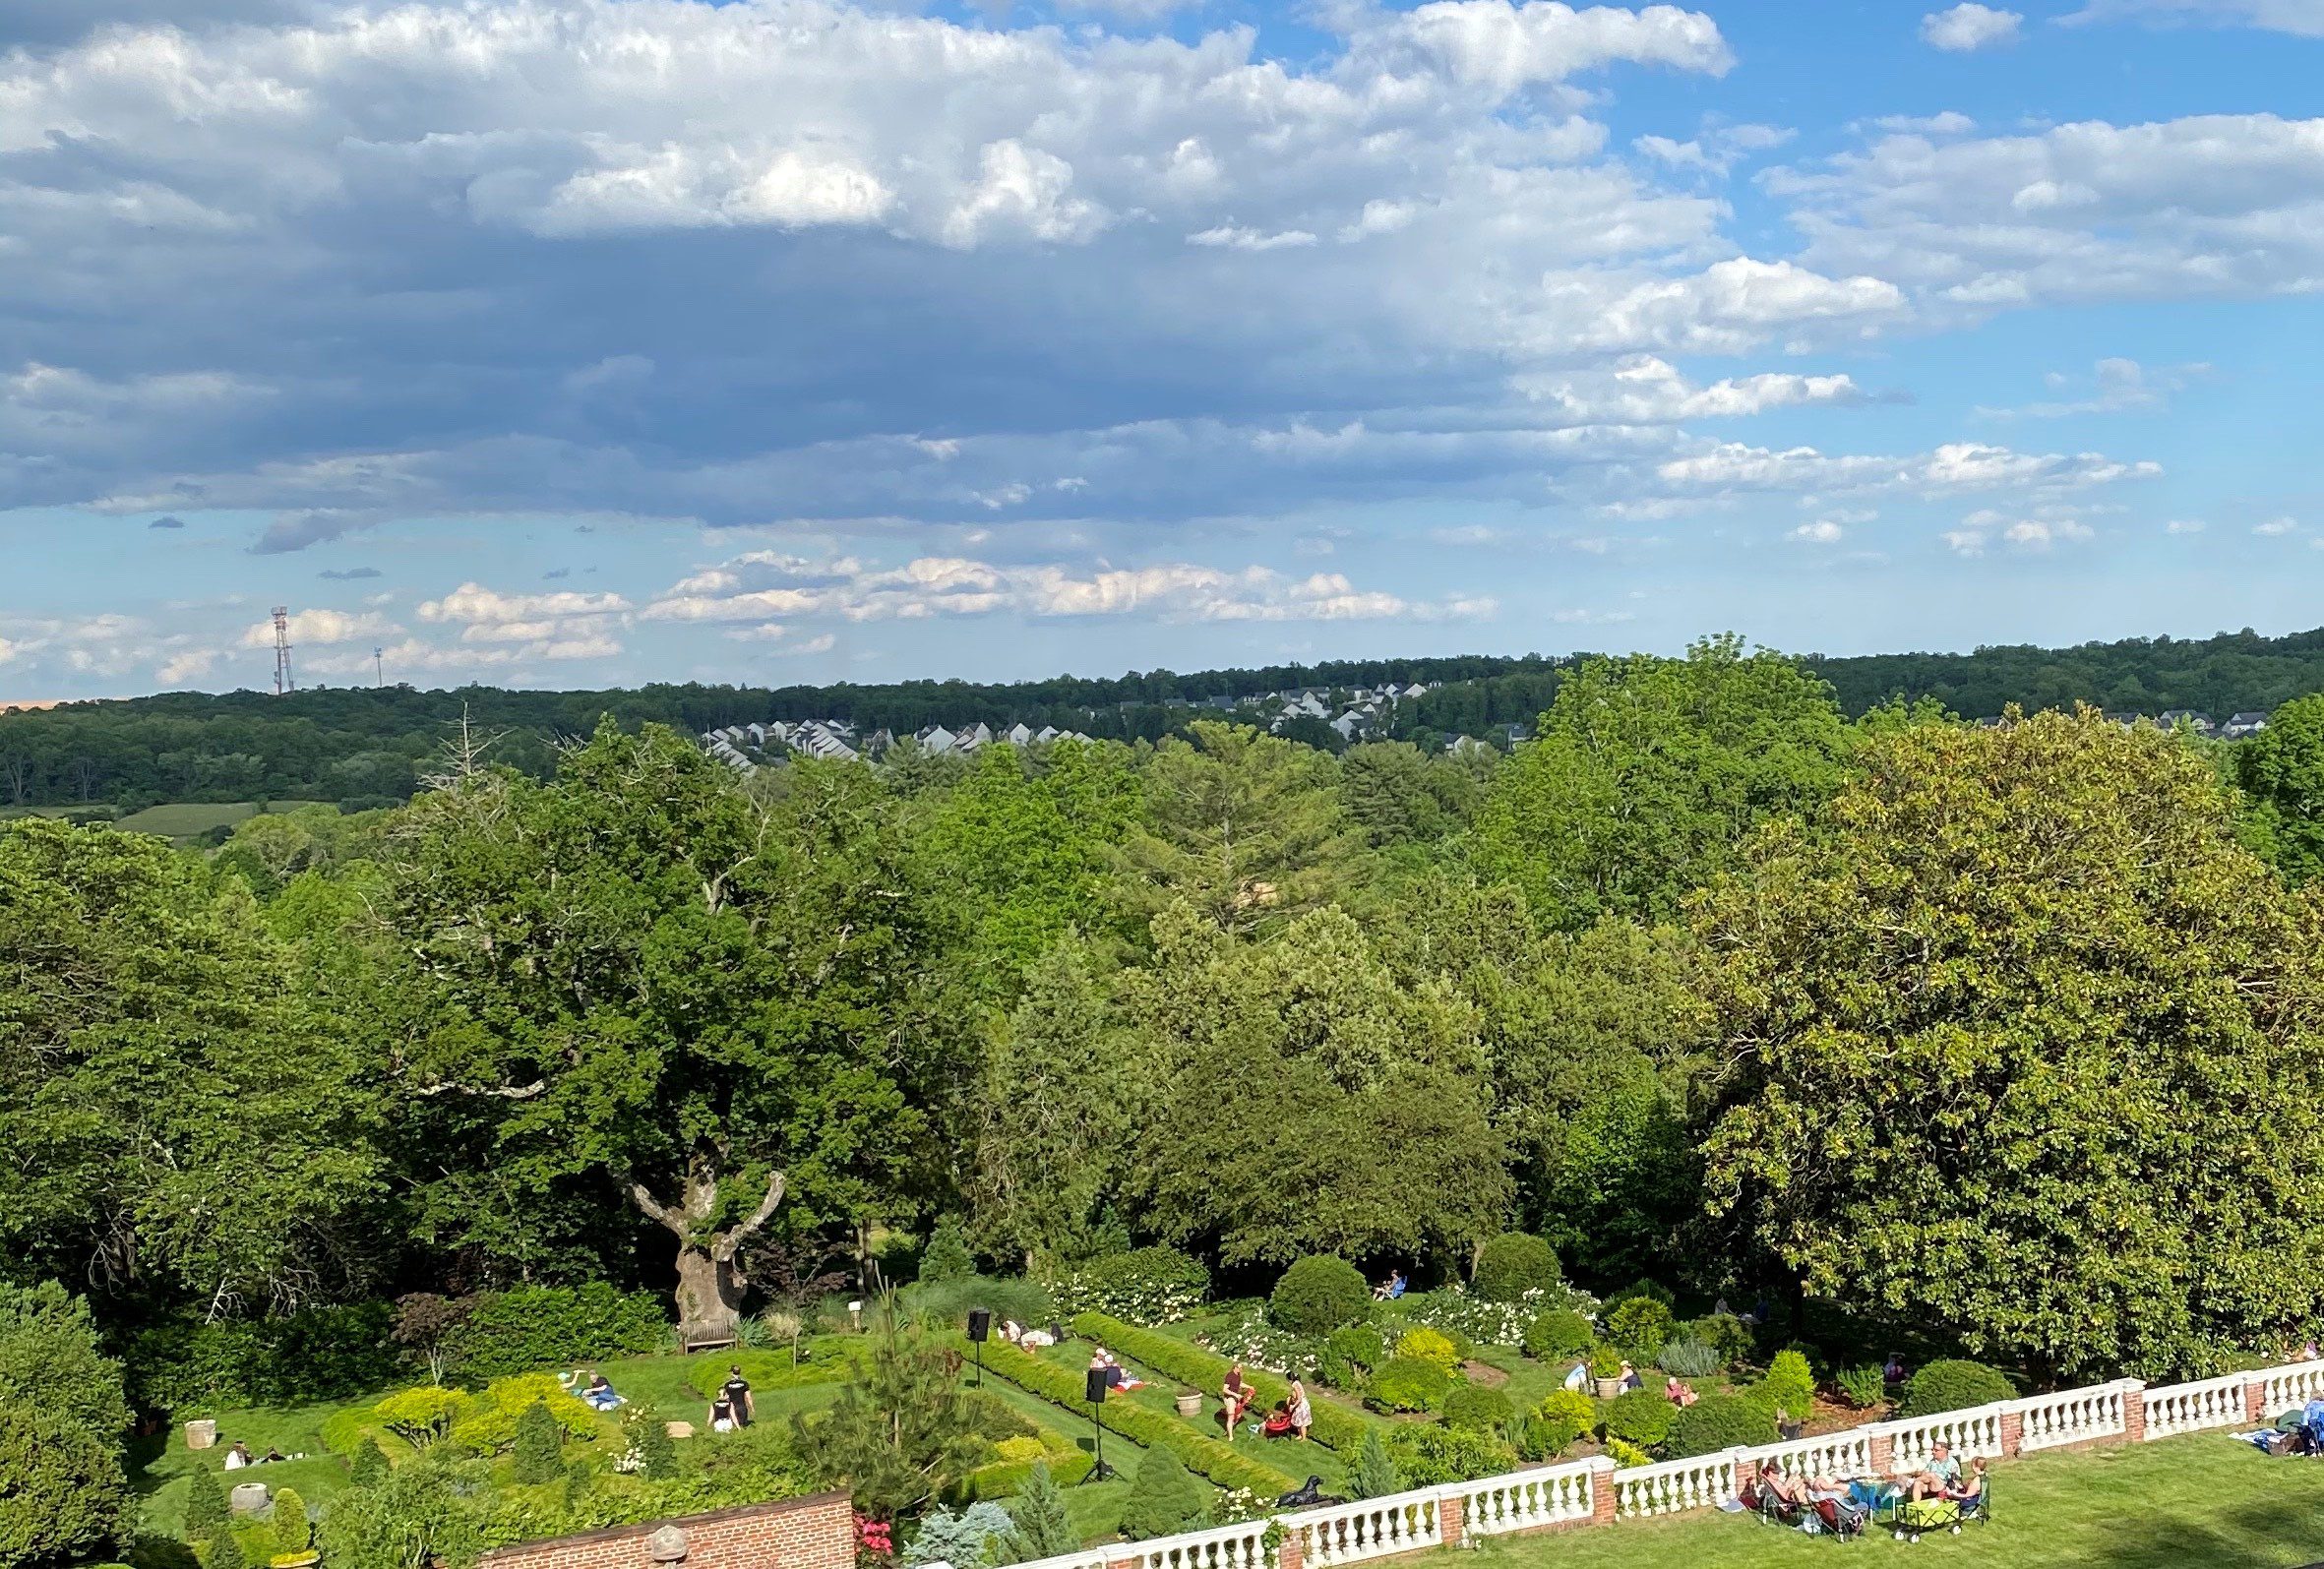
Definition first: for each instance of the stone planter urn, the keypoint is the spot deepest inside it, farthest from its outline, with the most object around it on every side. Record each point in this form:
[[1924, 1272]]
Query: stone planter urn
[[202, 1434], [1608, 1388], [1189, 1407]]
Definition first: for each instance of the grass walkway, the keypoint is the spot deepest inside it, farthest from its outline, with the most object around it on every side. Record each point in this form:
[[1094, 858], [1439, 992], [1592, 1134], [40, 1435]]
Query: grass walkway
[[2200, 1502]]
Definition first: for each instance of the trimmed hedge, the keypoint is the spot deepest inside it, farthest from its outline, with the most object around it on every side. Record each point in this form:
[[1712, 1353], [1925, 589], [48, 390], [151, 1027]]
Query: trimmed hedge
[[528, 1329], [1715, 1423], [1954, 1386], [1558, 1334], [326, 1354], [1336, 1428], [1641, 1417], [1406, 1383], [1214, 1458], [1475, 1407], [1006, 1478]]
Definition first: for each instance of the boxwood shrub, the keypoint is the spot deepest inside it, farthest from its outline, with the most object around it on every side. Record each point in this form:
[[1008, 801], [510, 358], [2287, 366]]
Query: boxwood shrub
[[1552, 1426], [1954, 1386], [1429, 1455], [1406, 1383], [1559, 1335], [1715, 1423], [1318, 1295], [1476, 1406], [1512, 1264], [1641, 1416]]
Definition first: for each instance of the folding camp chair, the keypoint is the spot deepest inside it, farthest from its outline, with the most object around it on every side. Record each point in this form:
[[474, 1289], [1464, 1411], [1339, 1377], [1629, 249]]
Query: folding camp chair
[[1907, 1518]]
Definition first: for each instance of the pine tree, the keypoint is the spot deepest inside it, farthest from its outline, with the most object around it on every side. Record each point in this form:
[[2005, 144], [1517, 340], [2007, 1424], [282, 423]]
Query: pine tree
[[902, 1432], [206, 1504], [369, 1466], [946, 1255], [292, 1530], [1375, 1476], [538, 1455], [1164, 1498], [221, 1550], [1039, 1527]]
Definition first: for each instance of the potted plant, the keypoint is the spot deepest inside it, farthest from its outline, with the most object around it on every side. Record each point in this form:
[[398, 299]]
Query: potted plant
[[1605, 1371], [1190, 1403]]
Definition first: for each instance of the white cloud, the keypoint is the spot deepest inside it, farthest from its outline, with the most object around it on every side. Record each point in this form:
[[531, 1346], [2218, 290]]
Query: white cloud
[[2184, 526], [1822, 531], [477, 605], [2212, 206], [2027, 532], [2276, 526], [1236, 238], [767, 589], [1954, 467], [320, 628], [2303, 17], [1970, 27], [2117, 385]]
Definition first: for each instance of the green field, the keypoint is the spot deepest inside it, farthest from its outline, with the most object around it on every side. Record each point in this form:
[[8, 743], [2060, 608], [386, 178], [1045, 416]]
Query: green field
[[176, 820], [2206, 1501]]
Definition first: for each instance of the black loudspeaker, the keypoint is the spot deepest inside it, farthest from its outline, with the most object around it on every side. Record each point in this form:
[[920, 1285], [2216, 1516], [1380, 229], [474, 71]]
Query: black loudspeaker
[[980, 1324], [1097, 1386]]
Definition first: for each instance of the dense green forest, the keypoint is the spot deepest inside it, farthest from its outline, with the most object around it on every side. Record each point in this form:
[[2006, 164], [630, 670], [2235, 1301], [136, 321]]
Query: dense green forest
[[366, 747], [1996, 1041]]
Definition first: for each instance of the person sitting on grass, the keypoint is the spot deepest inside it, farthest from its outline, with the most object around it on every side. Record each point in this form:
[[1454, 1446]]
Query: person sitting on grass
[[238, 1456], [1630, 1379], [1940, 1479], [1391, 1289], [1678, 1392], [1972, 1485], [597, 1394]]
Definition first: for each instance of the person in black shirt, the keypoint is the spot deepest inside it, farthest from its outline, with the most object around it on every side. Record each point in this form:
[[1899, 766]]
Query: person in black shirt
[[737, 1391]]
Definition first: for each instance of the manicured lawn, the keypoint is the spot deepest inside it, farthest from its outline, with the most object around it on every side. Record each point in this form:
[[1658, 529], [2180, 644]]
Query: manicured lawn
[[186, 818], [2201, 1502], [159, 1466]]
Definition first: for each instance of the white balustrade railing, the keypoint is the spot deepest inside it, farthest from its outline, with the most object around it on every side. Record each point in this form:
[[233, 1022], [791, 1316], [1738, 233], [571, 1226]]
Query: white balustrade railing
[[1841, 1454], [1525, 1500], [2174, 1408], [1972, 1432], [1674, 1485], [1375, 1528], [1240, 1546], [2070, 1416], [2291, 1386]]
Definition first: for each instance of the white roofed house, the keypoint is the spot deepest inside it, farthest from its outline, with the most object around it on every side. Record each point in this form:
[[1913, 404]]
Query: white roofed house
[[1021, 734], [2250, 722], [936, 741], [977, 735], [1048, 733]]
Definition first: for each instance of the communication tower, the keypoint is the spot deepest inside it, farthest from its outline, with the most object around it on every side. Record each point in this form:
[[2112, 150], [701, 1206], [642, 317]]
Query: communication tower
[[282, 681]]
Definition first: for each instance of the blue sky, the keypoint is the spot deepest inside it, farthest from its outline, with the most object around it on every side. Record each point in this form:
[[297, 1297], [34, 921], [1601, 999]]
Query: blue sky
[[574, 343]]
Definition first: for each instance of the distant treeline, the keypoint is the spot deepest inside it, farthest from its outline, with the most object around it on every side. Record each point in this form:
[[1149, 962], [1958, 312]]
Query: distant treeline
[[370, 747]]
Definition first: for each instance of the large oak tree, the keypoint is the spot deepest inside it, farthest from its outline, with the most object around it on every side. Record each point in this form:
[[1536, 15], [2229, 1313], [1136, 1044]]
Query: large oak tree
[[642, 975]]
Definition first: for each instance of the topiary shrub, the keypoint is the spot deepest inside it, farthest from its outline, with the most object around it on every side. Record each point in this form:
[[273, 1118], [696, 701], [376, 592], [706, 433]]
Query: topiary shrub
[[1431, 1346], [1641, 1416], [1475, 1407], [1642, 1287], [1639, 1326], [1559, 1335], [1864, 1386], [1319, 1294], [1164, 1498], [1429, 1455], [1552, 1428], [1688, 1358], [1405, 1383], [206, 1504], [1625, 1454], [538, 1451], [292, 1530], [1715, 1423], [1512, 1264], [1953, 1386]]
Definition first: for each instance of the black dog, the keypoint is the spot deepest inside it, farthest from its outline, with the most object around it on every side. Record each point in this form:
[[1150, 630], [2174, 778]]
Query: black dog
[[1311, 1496]]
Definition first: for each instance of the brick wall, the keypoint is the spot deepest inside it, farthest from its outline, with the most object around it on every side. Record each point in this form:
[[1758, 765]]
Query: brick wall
[[815, 1532]]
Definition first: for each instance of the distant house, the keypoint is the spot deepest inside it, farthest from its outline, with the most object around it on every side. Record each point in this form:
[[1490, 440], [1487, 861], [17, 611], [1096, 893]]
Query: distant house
[[936, 741], [2122, 718], [2250, 722], [2173, 719], [1021, 734]]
